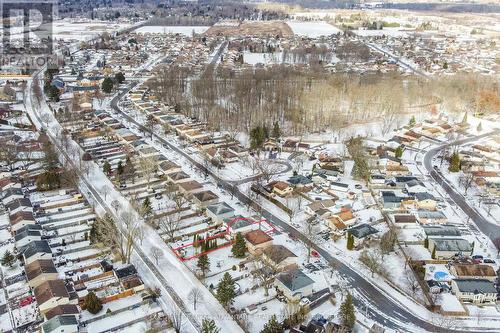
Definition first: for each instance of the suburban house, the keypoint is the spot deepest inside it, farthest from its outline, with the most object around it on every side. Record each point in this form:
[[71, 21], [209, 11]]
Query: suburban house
[[40, 271], [426, 201], [61, 324], [219, 211], [444, 230], [361, 233], [474, 271], [21, 219], [26, 236], [190, 186], [345, 216], [300, 181], [429, 216], [415, 186], [336, 224], [390, 200], [404, 220], [257, 241], [19, 205], [294, 284], [477, 291], [168, 167], [36, 250], [280, 257], [341, 187], [64, 309], [205, 198], [397, 170], [240, 224], [50, 294], [281, 188], [317, 207], [447, 248], [11, 194], [377, 179], [178, 177]]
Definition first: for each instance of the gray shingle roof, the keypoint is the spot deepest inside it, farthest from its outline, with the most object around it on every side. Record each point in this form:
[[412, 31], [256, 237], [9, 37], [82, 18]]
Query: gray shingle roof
[[37, 247], [362, 230], [295, 279], [476, 286], [58, 321], [452, 244], [220, 208]]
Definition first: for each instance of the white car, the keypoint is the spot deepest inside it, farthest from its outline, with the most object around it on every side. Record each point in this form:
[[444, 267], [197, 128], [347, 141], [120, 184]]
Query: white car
[[304, 301]]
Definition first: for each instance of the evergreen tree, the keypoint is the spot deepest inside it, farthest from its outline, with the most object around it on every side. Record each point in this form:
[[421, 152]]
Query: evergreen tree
[[106, 167], [119, 77], [53, 93], [350, 241], [265, 132], [8, 259], [257, 137], [203, 263], [93, 303], [225, 290], [398, 152], [146, 207], [346, 313], [464, 120], [239, 247], [107, 85], [454, 163], [276, 130], [412, 122], [433, 255], [480, 127], [208, 326], [272, 326], [50, 160], [119, 168]]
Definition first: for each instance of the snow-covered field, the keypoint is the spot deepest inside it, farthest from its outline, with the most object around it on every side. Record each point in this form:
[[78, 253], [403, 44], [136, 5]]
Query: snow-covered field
[[83, 30], [394, 32], [312, 29], [183, 30]]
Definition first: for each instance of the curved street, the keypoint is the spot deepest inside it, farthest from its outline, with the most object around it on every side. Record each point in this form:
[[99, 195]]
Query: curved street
[[488, 228], [369, 299]]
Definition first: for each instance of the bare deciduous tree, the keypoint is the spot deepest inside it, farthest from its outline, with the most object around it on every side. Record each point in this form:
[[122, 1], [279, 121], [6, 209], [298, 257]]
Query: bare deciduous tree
[[129, 234], [176, 318], [466, 181], [148, 165], [105, 191], [169, 224], [264, 272], [195, 296], [157, 253], [373, 261], [411, 282], [115, 204]]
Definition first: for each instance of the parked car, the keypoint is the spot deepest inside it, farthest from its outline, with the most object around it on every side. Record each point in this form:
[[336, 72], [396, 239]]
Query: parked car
[[304, 301]]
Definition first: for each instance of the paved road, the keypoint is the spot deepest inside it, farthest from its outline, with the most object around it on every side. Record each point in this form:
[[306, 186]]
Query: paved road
[[397, 59], [490, 229], [380, 308], [191, 317]]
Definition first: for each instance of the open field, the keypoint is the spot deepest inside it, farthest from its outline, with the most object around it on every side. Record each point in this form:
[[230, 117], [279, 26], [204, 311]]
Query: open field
[[270, 28]]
